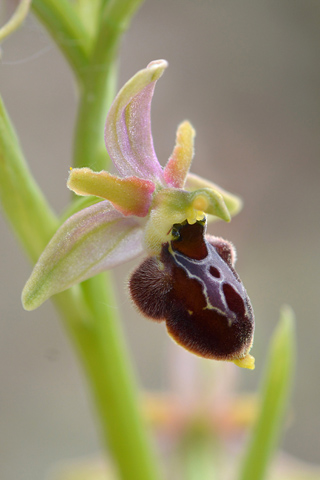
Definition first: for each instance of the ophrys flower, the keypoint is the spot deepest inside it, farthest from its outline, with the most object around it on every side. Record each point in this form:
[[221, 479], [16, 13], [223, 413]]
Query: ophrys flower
[[161, 212]]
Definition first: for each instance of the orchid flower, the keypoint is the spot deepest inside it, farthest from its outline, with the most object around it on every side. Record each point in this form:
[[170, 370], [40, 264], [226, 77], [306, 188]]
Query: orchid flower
[[161, 212]]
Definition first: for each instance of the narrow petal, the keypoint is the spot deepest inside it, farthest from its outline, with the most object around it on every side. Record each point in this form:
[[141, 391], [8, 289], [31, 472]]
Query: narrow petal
[[91, 241], [177, 168], [128, 127], [233, 203], [130, 195]]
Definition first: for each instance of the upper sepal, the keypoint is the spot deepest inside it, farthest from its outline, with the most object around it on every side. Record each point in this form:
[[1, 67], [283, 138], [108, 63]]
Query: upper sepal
[[91, 241], [128, 127]]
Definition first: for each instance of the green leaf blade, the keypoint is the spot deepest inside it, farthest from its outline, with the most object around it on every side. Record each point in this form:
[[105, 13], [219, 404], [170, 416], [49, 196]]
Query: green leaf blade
[[276, 389], [22, 200]]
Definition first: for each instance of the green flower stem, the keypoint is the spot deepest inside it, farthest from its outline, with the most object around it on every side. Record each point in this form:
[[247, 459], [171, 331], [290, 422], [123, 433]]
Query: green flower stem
[[23, 202], [66, 28], [98, 339], [95, 100], [98, 86]]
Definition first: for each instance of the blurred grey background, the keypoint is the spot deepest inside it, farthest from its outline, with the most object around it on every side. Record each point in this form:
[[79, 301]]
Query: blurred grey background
[[246, 74]]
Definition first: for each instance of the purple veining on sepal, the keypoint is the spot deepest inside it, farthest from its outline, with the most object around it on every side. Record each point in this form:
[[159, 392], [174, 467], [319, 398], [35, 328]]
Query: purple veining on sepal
[[128, 134]]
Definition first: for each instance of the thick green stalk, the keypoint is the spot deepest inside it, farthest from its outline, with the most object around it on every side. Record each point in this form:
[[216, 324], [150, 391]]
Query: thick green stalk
[[98, 86], [95, 99], [66, 28], [99, 342]]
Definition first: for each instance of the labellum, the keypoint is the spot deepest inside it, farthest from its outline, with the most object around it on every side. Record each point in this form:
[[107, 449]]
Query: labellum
[[193, 287]]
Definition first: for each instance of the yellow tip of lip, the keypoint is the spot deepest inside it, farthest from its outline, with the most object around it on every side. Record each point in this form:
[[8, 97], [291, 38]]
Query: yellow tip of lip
[[245, 362]]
